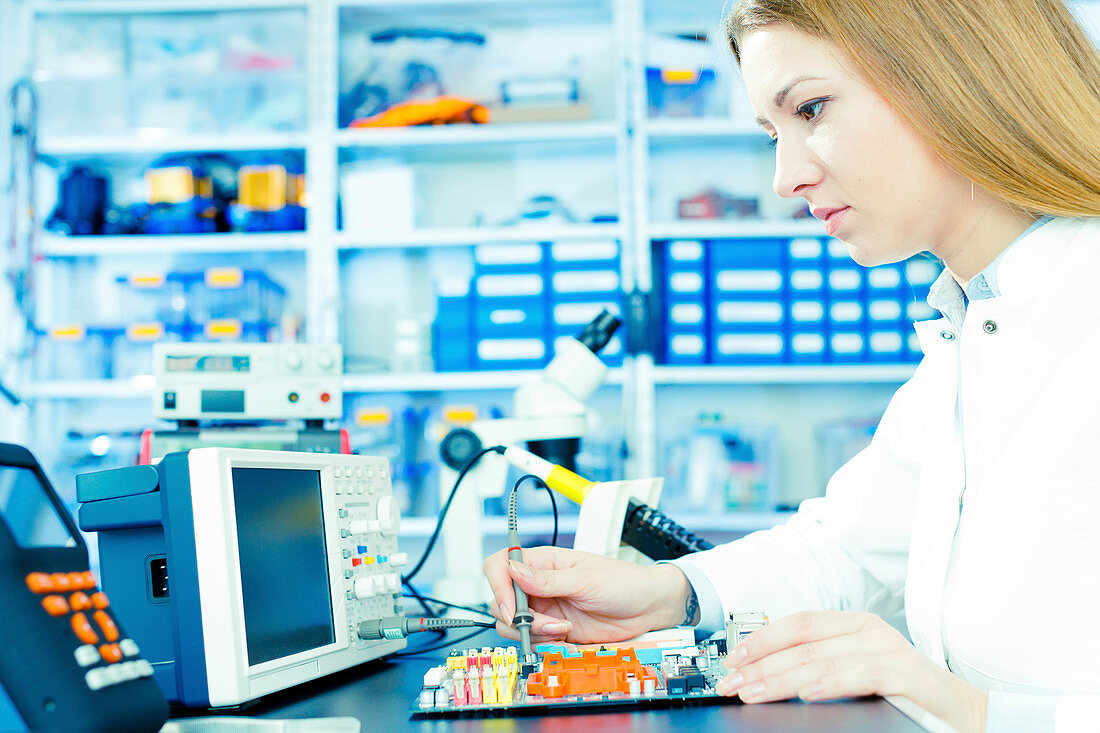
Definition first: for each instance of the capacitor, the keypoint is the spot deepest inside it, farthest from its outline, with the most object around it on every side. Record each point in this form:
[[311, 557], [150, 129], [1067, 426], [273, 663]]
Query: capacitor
[[442, 697], [427, 697], [634, 685], [649, 687]]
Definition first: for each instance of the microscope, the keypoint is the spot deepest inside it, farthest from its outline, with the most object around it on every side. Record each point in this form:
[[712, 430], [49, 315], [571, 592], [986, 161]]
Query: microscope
[[549, 416]]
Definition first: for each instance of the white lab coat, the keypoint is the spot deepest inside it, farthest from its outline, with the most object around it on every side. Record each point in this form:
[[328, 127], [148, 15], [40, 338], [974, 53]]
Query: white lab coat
[[1006, 589]]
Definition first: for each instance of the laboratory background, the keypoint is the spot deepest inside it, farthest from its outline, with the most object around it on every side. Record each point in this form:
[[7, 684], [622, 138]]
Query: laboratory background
[[441, 188]]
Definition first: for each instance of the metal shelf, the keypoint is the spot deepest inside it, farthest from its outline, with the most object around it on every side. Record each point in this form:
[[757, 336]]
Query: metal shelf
[[693, 130], [476, 135], [92, 389], [142, 386], [76, 146], [731, 228], [62, 246], [467, 236], [785, 374], [449, 381], [117, 7]]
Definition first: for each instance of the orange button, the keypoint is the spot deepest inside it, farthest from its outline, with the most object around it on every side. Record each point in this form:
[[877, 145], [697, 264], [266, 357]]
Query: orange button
[[77, 581], [40, 583], [61, 581], [99, 600], [83, 629], [80, 601], [110, 631], [110, 653], [89, 580], [55, 605]]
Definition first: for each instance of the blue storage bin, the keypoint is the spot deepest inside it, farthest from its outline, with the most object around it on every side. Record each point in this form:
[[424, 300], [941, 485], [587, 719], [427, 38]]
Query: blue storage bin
[[750, 254], [748, 348], [685, 347], [509, 285], [886, 345], [847, 346], [686, 316], [807, 345], [511, 353], [884, 312], [502, 259], [453, 352], [806, 252], [585, 285], [454, 315], [885, 279], [847, 315], [507, 317], [758, 282], [756, 314], [574, 316], [596, 255]]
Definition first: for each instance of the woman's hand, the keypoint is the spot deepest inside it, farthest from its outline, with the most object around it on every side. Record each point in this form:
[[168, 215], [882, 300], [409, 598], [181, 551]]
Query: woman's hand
[[819, 655], [586, 598]]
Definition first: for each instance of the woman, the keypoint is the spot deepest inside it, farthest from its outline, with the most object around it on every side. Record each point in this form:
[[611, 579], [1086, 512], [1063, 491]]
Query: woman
[[971, 130]]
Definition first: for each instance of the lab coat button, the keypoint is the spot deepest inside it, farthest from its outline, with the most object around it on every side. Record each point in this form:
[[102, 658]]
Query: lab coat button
[[947, 335], [990, 327]]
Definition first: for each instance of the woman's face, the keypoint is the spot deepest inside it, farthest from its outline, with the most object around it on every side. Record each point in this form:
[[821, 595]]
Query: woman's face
[[862, 169]]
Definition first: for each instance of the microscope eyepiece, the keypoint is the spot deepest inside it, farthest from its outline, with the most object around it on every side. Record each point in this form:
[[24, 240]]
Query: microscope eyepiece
[[599, 331]]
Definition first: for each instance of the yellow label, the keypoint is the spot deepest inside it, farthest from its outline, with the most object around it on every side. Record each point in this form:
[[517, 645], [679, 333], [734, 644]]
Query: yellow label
[[679, 76], [151, 331], [224, 328], [262, 187], [373, 416], [224, 277], [459, 414], [169, 185], [70, 332], [149, 280]]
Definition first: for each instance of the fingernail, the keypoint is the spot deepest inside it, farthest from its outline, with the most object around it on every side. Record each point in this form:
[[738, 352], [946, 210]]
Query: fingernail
[[810, 692], [730, 684], [756, 688], [737, 656], [503, 611], [521, 569], [554, 628]]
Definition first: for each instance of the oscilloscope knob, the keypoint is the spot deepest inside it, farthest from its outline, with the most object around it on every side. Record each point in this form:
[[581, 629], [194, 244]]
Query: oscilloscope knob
[[363, 588], [389, 516]]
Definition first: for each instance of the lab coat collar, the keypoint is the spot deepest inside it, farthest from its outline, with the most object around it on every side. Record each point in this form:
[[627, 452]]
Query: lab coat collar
[[1044, 256]]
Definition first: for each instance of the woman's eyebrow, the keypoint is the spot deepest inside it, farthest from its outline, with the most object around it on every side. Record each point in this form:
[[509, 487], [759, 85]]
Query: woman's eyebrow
[[781, 95]]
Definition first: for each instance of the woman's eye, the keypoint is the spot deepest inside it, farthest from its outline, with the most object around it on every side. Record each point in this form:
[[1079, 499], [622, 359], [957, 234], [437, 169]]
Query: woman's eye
[[811, 110]]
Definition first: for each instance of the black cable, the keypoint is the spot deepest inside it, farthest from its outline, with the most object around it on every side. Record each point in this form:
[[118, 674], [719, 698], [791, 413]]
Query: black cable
[[446, 507], [414, 593], [440, 645], [553, 502], [448, 604]]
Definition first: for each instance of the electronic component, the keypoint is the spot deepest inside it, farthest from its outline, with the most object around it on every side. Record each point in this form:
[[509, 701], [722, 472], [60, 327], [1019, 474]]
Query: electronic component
[[243, 572], [484, 681], [66, 663], [247, 381], [740, 625]]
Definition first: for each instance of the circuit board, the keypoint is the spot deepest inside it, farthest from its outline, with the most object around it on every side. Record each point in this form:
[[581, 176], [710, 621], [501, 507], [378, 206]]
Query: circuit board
[[489, 681]]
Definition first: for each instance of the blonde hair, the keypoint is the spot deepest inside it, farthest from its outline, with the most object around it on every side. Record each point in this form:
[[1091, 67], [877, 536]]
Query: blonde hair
[[1006, 91]]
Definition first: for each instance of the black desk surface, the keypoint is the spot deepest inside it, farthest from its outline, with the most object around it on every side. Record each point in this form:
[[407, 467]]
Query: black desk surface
[[379, 694]]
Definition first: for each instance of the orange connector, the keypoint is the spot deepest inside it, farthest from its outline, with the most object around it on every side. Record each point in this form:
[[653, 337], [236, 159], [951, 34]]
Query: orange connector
[[591, 673]]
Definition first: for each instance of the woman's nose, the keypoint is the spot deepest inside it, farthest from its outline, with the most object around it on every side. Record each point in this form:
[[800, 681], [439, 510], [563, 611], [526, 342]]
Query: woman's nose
[[795, 169]]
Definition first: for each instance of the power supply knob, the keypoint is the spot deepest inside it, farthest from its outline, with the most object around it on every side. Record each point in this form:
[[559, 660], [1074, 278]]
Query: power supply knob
[[294, 360], [363, 588], [389, 516], [326, 360]]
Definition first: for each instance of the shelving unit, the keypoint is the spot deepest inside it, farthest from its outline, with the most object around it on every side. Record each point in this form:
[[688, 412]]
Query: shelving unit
[[625, 144]]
